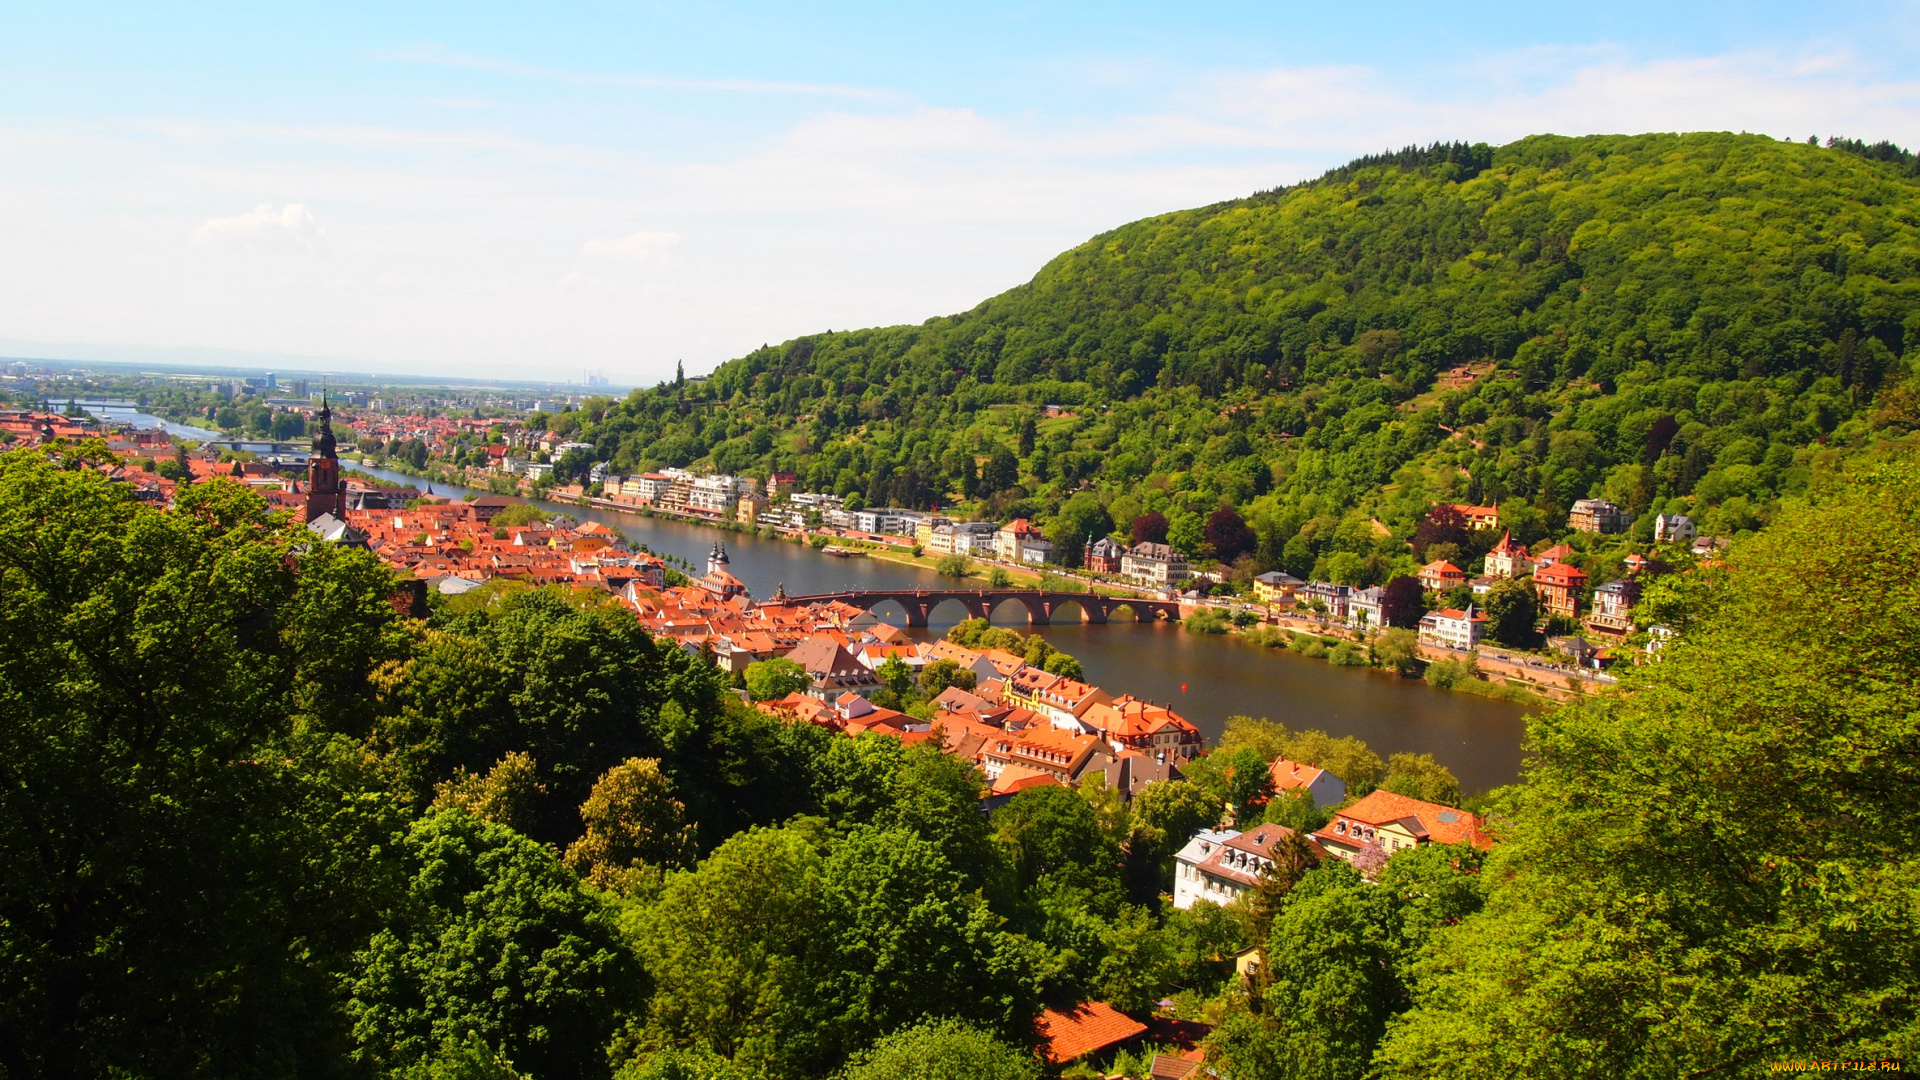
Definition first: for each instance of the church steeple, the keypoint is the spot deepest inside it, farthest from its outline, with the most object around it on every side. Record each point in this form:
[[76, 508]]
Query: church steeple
[[323, 445], [326, 491]]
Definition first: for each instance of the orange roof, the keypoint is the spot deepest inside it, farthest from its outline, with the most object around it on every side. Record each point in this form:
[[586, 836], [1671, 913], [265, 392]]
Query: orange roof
[[1090, 1026], [1129, 716], [1560, 574], [1507, 546], [1288, 775], [1443, 824], [1004, 662], [1060, 741], [1018, 777]]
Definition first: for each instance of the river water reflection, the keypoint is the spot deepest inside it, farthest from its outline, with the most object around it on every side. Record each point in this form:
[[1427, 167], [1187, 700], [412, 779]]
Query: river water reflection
[[1205, 678]]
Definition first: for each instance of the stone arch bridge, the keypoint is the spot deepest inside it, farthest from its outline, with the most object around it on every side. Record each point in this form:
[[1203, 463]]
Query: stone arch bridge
[[979, 603]]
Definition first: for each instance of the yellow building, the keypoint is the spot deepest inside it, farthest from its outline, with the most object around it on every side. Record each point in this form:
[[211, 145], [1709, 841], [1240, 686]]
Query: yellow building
[[1275, 587]]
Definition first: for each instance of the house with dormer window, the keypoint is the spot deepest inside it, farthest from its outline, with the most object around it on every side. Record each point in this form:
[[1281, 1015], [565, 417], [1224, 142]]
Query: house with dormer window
[[1396, 823], [1219, 866]]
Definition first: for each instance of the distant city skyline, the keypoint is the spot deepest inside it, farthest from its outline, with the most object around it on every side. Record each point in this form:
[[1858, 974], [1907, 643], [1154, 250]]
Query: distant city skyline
[[538, 193]]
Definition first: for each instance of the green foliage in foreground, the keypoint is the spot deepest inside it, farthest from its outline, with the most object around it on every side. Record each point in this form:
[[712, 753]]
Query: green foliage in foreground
[[174, 812], [242, 839], [1702, 873], [1673, 321], [943, 1050], [497, 941]]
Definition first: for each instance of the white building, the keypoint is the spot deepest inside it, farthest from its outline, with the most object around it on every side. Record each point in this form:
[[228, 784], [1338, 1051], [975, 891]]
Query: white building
[[1363, 608], [647, 486], [1219, 866], [1020, 541], [1674, 529], [1326, 788], [964, 538], [712, 495], [1153, 564], [881, 520], [1452, 628]]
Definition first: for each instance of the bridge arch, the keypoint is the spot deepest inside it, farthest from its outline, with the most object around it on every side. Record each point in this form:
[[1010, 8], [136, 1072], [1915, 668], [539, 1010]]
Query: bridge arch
[[879, 607], [1041, 608], [957, 608], [1022, 603]]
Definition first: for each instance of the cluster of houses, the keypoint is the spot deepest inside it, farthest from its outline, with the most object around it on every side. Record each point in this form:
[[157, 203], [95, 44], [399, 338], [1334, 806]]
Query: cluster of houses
[[1559, 584], [440, 434], [1220, 865]]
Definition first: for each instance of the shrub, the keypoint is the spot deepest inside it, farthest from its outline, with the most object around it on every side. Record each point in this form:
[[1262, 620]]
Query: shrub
[[1347, 654], [1206, 621]]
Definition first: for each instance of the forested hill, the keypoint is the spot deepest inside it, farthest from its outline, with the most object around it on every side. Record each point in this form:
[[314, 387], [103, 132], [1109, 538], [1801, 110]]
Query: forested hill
[[1685, 306]]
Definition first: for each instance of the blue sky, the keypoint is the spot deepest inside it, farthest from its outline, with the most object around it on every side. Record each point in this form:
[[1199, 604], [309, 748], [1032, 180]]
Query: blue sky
[[540, 190]]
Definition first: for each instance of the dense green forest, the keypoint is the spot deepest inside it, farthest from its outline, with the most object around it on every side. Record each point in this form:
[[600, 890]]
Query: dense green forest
[[1677, 322], [257, 824]]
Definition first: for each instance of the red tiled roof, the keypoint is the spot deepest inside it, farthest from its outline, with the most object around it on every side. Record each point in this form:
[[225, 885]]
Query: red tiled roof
[[1443, 824], [1560, 574], [1018, 777], [1288, 775], [1090, 1026], [1507, 546]]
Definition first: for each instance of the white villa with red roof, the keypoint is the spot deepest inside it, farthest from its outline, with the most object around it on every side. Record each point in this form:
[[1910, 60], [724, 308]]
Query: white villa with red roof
[[1452, 628], [1509, 559]]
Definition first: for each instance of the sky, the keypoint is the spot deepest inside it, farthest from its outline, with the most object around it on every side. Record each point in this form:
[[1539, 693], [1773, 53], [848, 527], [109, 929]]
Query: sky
[[543, 191]]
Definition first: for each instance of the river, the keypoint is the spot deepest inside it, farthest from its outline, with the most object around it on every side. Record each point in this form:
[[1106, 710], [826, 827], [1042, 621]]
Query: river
[[1205, 678], [129, 412]]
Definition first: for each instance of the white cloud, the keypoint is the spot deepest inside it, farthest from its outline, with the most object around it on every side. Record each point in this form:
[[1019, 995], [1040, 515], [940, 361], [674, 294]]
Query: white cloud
[[291, 226], [637, 247], [434, 54]]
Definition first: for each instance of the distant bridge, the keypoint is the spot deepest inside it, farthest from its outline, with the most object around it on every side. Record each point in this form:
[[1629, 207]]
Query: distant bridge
[[979, 603]]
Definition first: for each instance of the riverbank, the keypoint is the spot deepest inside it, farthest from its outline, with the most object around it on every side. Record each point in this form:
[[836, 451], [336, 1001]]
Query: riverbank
[[1441, 669]]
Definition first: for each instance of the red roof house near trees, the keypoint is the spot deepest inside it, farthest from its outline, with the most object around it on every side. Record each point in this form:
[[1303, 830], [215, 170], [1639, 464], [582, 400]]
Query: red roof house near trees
[[1087, 1027]]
